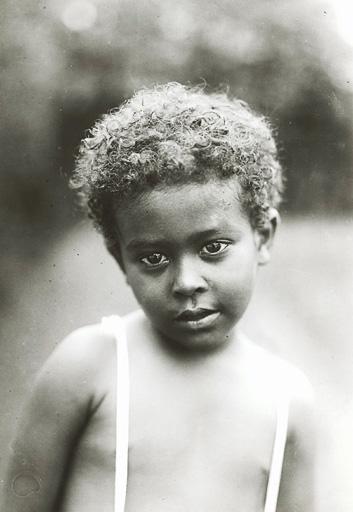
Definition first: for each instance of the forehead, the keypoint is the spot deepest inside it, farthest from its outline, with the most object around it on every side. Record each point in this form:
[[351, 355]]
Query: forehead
[[182, 210]]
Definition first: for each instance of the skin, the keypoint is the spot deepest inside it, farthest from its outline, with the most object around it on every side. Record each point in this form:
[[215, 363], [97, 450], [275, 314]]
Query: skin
[[203, 398], [174, 265]]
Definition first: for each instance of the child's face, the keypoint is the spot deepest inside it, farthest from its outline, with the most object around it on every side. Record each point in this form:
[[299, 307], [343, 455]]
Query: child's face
[[190, 256]]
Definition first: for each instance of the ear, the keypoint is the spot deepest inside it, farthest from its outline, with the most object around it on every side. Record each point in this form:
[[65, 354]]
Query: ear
[[265, 237]]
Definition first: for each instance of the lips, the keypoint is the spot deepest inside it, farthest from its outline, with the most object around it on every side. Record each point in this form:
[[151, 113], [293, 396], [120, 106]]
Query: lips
[[198, 318], [192, 315]]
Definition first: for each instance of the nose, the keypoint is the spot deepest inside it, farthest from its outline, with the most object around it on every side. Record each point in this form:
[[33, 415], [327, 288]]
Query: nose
[[188, 278]]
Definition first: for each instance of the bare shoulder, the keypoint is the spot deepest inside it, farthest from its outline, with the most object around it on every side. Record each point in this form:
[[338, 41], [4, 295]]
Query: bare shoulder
[[279, 371], [280, 378], [294, 386], [68, 390], [76, 364], [84, 346]]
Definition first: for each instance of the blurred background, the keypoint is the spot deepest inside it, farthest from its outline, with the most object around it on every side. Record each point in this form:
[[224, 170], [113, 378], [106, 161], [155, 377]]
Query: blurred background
[[65, 63]]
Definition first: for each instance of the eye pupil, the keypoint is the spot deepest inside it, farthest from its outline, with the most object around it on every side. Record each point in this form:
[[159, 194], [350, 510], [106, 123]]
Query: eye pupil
[[155, 258], [213, 247]]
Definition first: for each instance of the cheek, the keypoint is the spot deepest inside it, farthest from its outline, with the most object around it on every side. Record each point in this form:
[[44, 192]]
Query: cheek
[[148, 292], [237, 279]]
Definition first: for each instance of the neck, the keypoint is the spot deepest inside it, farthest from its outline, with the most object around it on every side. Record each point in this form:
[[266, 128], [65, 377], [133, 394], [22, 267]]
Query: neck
[[229, 345]]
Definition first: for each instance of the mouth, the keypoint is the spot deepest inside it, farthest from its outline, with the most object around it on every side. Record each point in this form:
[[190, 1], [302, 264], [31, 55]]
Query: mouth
[[197, 318]]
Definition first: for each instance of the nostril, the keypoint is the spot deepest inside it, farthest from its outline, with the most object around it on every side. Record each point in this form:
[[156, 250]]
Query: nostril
[[188, 278], [189, 288]]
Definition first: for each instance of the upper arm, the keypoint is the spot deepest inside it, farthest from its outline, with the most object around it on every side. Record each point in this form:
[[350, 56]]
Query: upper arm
[[57, 410], [297, 491]]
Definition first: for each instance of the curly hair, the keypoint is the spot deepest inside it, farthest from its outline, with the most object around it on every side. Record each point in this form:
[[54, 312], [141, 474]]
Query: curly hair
[[173, 134]]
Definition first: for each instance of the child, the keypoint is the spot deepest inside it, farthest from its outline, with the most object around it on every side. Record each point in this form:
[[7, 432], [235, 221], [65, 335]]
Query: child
[[192, 416]]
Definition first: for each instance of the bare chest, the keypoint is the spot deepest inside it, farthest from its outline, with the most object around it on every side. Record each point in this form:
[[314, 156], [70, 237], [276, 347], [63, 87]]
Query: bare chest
[[199, 439], [206, 442]]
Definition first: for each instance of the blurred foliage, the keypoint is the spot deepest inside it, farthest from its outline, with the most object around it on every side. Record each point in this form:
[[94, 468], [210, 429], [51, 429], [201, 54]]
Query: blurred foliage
[[283, 57]]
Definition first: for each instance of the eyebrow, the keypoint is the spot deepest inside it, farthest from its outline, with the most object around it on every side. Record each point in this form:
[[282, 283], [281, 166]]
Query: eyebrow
[[135, 245]]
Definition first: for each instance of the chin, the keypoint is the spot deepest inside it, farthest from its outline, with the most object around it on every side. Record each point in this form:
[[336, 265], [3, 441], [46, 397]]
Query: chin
[[196, 341]]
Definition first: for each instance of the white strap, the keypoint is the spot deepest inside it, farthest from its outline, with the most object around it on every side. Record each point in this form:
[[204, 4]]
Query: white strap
[[115, 325], [279, 446]]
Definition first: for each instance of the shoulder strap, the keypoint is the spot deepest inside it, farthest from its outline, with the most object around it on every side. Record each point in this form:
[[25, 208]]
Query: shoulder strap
[[115, 325], [279, 446]]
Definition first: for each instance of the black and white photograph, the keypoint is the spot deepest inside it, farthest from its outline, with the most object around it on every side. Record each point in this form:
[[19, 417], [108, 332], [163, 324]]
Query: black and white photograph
[[176, 262]]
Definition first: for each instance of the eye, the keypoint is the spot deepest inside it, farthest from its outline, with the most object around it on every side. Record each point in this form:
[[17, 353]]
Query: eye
[[214, 248], [156, 259]]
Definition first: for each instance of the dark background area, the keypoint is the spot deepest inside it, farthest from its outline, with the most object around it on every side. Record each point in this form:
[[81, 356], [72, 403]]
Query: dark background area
[[286, 59], [65, 63]]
